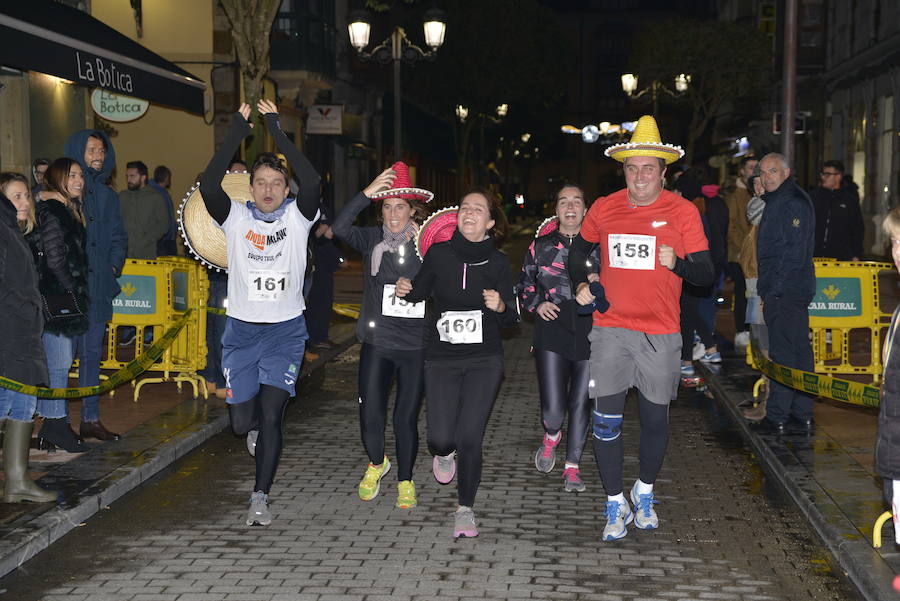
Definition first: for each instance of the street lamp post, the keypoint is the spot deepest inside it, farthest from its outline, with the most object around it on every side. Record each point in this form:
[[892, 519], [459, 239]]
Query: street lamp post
[[630, 85], [397, 48]]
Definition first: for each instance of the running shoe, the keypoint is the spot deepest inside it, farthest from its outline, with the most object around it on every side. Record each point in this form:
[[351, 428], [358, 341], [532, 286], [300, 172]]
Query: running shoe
[[406, 494], [371, 482], [698, 351], [741, 339], [259, 510], [645, 516], [444, 468], [545, 456], [572, 478], [712, 358], [688, 371], [464, 523], [618, 516], [252, 435]]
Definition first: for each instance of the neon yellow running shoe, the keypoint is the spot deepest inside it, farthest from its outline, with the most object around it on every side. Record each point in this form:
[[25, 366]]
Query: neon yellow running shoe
[[406, 494], [371, 482]]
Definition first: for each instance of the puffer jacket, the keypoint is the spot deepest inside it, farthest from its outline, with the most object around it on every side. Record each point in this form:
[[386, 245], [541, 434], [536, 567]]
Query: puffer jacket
[[22, 355]]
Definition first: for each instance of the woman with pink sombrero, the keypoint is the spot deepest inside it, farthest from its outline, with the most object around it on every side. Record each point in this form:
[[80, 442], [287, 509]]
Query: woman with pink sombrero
[[560, 348], [390, 329], [471, 285]]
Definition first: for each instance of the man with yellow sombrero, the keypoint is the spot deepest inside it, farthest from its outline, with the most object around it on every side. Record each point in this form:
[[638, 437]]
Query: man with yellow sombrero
[[650, 240]]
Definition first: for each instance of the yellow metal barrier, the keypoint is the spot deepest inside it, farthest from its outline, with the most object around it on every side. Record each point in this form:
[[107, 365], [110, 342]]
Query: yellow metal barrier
[[155, 294], [848, 299], [879, 524]]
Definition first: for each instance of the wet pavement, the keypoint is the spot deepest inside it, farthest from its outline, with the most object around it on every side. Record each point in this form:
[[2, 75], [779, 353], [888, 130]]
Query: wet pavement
[[726, 530]]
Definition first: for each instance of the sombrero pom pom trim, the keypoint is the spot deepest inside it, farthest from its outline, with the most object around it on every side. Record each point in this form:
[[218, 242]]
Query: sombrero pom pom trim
[[438, 227], [547, 225]]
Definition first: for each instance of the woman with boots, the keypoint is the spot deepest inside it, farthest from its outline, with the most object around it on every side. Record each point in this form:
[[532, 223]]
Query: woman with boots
[[58, 246], [21, 354]]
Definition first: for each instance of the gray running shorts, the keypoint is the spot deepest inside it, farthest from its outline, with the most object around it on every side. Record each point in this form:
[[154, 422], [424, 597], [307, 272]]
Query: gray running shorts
[[623, 358]]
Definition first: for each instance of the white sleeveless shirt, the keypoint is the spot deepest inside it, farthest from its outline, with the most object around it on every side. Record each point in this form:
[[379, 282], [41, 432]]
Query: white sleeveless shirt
[[266, 264]]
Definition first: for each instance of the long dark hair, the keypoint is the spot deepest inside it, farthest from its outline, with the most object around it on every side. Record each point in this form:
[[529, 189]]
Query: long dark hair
[[57, 180], [501, 226]]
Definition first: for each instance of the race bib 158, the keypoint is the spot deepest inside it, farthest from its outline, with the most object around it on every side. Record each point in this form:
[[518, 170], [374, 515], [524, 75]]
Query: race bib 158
[[632, 251]]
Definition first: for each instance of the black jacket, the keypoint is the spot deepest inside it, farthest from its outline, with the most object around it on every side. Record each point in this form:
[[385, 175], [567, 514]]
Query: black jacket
[[887, 441], [58, 247], [455, 274], [372, 327], [839, 223], [785, 245], [22, 355]]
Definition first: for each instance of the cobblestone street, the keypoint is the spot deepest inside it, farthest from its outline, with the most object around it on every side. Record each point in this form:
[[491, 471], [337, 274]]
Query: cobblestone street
[[724, 534]]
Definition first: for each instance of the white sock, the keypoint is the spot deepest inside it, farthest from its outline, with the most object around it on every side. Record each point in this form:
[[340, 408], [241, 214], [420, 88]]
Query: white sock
[[570, 464], [554, 437], [619, 498], [642, 488]]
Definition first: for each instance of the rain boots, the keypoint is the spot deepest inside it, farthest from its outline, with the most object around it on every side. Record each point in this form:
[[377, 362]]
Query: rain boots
[[18, 485]]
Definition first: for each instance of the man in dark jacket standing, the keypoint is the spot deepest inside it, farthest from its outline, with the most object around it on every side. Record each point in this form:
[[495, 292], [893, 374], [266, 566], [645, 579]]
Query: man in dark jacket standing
[[787, 283], [105, 244], [839, 223]]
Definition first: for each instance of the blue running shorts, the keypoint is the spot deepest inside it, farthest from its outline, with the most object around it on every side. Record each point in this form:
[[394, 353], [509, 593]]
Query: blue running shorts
[[261, 353]]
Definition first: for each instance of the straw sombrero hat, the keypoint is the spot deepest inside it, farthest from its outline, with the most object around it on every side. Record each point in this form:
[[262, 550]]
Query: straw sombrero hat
[[439, 227], [202, 236], [645, 142], [547, 225], [403, 187]]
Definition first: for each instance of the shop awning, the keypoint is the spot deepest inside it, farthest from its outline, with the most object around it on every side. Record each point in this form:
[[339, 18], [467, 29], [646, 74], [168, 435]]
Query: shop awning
[[50, 37]]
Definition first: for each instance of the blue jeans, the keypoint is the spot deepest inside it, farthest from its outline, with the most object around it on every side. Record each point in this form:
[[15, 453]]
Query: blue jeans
[[90, 350], [16, 405], [60, 353], [215, 328]]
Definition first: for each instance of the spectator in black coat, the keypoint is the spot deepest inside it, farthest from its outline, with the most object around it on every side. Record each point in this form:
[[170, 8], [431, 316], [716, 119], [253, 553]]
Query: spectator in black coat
[[839, 223]]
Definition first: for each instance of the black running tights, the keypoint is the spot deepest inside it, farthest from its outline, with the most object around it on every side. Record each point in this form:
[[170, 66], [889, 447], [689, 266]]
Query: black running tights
[[266, 414], [564, 386], [461, 393], [377, 367], [654, 438]]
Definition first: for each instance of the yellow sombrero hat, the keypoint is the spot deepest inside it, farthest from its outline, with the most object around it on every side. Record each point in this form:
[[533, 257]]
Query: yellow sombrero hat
[[202, 236], [645, 142]]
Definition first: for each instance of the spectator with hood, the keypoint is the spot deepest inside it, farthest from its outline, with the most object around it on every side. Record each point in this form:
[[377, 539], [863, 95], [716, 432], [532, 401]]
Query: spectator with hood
[[106, 243]]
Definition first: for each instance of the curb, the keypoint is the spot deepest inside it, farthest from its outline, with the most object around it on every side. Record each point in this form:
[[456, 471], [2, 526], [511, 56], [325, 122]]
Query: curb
[[864, 566], [99, 477]]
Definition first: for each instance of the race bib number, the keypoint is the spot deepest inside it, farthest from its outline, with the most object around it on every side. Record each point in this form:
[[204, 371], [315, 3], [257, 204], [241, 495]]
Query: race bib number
[[391, 306], [267, 286], [460, 327], [632, 251]]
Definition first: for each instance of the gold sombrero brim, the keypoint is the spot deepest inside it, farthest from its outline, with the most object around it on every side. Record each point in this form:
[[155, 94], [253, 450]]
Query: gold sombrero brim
[[201, 235], [668, 152]]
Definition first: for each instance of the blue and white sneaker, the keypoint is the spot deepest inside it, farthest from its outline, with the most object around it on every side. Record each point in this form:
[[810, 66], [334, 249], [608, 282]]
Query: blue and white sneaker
[[618, 516], [712, 358], [688, 371], [645, 516]]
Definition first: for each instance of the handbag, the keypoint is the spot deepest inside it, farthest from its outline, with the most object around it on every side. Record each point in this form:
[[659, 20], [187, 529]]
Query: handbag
[[61, 306]]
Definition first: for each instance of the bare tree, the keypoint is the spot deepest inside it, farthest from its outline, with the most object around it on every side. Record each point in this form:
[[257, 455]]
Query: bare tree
[[251, 25]]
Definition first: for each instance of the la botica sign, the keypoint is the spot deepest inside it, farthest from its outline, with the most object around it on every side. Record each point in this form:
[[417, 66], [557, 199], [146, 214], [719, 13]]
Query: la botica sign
[[116, 107]]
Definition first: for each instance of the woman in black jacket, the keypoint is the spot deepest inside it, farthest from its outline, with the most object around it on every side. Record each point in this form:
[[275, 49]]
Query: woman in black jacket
[[58, 246], [21, 355], [471, 285], [390, 329]]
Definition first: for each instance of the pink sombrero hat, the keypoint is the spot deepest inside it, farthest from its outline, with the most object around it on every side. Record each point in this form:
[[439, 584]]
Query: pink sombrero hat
[[403, 187], [547, 225], [439, 227]]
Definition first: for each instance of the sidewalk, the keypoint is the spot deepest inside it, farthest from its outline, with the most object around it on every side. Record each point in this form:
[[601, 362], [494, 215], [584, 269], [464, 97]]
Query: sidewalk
[[829, 475], [161, 427]]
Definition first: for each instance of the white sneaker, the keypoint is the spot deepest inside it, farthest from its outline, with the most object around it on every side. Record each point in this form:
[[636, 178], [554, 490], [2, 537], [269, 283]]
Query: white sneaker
[[618, 516], [645, 516], [252, 435], [699, 350], [742, 339], [259, 510]]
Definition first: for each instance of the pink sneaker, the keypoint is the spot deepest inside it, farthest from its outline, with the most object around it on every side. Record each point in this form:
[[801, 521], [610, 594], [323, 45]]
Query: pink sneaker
[[572, 478], [545, 456], [444, 468]]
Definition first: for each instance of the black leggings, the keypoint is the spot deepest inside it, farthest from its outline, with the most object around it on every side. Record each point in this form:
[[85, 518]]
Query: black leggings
[[461, 393], [266, 414], [691, 321], [377, 367], [564, 386], [654, 437]]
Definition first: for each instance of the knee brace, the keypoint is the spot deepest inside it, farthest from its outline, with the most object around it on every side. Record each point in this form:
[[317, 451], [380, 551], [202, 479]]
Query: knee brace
[[607, 427]]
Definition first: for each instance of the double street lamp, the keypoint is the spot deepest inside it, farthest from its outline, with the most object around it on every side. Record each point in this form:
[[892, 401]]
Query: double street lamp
[[630, 85], [397, 48]]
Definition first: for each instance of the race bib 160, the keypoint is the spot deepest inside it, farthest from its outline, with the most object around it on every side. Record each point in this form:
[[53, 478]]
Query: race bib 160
[[460, 327]]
